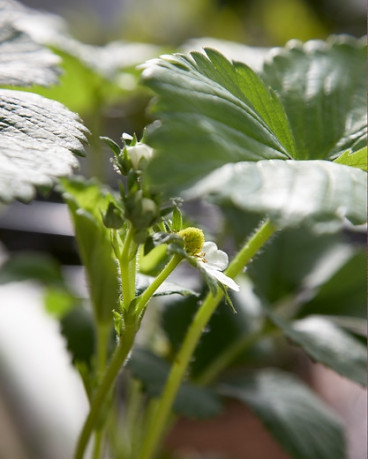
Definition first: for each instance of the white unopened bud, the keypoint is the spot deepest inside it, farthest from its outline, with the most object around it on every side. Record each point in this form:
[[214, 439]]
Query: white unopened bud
[[137, 152]]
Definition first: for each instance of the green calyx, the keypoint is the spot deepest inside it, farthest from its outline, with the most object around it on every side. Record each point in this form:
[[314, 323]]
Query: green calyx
[[193, 240]]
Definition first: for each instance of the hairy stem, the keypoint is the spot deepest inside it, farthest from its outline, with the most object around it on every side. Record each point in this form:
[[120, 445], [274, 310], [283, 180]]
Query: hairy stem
[[120, 355], [150, 290], [159, 419], [128, 333], [127, 270]]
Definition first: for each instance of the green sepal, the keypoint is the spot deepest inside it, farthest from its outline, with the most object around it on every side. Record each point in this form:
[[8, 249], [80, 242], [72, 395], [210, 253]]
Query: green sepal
[[113, 217], [177, 220]]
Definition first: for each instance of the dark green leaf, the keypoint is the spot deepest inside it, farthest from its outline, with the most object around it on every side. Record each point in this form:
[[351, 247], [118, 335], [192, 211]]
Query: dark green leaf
[[78, 330], [320, 193], [87, 203], [322, 86], [299, 421], [343, 293], [298, 262], [37, 139], [191, 401], [326, 343], [224, 330], [212, 113]]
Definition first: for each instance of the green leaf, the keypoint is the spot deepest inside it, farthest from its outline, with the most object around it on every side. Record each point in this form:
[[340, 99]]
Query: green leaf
[[78, 330], [22, 61], [344, 293], [326, 343], [297, 263], [322, 86], [87, 203], [320, 193], [212, 113], [191, 401], [225, 329], [167, 288], [38, 137], [354, 159], [299, 421]]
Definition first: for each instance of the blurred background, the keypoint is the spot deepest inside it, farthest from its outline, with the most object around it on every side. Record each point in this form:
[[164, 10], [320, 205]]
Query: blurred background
[[254, 22], [109, 104]]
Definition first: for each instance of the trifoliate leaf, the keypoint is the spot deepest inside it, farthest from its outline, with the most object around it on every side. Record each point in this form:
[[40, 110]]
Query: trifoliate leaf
[[38, 137], [303, 425], [213, 112]]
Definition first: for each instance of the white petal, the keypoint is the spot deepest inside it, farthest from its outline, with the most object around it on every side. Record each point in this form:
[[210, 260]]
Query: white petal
[[225, 280], [219, 276], [215, 258]]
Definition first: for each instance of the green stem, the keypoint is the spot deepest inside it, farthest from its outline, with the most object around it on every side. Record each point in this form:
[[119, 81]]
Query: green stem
[[97, 446], [150, 290], [127, 269], [103, 335], [158, 420], [121, 352]]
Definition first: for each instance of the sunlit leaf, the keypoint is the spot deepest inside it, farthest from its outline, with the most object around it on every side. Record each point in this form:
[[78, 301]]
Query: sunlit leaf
[[213, 112], [38, 137], [354, 159], [322, 86], [22, 61]]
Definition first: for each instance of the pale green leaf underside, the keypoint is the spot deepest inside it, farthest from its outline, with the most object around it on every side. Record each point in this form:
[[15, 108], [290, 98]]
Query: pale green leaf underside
[[167, 288], [291, 192], [299, 421], [38, 137], [328, 344], [354, 159]]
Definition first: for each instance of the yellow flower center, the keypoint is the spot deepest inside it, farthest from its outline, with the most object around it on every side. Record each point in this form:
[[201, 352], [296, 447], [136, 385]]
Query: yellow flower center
[[193, 240]]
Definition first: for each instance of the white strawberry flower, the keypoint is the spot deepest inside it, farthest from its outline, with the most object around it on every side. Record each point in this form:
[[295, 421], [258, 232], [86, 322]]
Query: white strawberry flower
[[207, 258], [213, 261]]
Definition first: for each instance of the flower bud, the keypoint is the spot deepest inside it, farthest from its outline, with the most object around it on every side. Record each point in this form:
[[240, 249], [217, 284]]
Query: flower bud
[[138, 152]]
